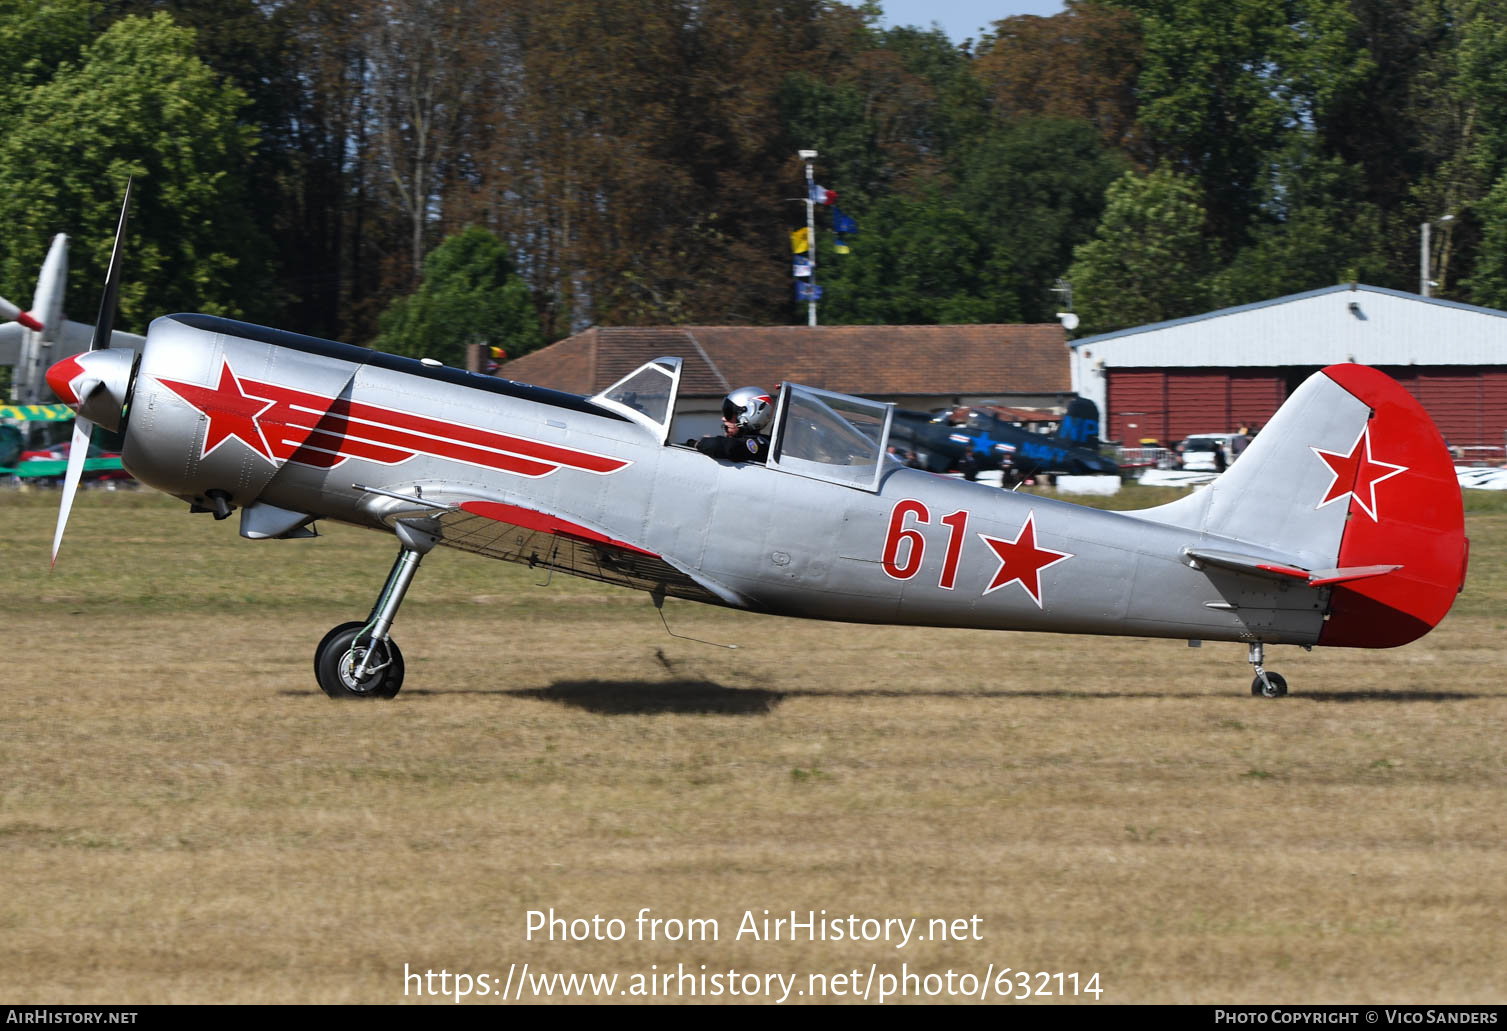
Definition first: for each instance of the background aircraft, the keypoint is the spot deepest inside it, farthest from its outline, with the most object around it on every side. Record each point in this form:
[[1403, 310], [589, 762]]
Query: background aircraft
[[944, 441], [32, 340], [1341, 525]]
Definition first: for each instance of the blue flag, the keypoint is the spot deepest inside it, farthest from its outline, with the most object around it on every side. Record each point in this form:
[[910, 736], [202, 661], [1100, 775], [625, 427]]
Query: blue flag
[[843, 224], [808, 292]]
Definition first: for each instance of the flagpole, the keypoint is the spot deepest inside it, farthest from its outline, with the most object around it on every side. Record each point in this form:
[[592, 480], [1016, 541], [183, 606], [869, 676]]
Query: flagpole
[[809, 156]]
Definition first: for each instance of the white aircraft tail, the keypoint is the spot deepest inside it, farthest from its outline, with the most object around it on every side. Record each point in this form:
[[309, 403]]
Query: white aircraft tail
[[47, 303], [1352, 484]]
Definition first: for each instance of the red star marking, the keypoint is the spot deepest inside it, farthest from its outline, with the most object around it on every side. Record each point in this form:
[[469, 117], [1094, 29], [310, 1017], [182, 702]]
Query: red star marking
[[1356, 474], [1021, 561], [231, 411]]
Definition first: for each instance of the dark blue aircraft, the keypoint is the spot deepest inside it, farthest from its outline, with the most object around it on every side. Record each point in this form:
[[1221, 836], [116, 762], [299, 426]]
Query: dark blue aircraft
[[973, 440]]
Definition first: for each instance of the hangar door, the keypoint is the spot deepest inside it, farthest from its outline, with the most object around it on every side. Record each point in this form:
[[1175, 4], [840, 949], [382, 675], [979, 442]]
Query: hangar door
[[1169, 404], [1467, 403]]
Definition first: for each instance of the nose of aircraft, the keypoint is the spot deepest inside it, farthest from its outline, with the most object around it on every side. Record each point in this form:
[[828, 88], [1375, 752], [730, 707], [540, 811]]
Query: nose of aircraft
[[95, 384]]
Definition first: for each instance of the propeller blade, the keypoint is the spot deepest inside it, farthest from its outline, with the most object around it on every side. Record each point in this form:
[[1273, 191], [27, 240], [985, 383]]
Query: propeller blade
[[15, 314], [106, 321], [83, 429]]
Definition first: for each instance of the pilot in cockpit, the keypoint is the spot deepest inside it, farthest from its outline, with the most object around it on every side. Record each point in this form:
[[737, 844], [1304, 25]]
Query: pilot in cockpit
[[746, 414]]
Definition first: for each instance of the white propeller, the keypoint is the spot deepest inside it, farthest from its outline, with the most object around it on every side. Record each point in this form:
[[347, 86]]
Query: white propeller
[[83, 389], [83, 429]]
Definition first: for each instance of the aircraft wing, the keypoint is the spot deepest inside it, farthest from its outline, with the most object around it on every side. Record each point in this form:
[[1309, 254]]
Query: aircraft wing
[[76, 337], [540, 540]]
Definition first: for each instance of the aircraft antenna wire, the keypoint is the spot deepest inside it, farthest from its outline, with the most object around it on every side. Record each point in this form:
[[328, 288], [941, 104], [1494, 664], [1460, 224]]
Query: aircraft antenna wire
[[658, 598]]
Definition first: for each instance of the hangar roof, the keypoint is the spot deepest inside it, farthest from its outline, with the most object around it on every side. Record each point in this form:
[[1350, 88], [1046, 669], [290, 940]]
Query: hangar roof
[[874, 360], [1349, 322]]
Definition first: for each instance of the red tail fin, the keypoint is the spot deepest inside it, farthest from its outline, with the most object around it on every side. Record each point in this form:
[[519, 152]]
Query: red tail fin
[[1404, 508]]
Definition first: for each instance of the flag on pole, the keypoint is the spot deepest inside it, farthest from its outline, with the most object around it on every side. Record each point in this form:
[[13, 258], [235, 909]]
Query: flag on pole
[[840, 246], [799, 241], [808, 292], [802, 266], [842, 223], [822, 195]]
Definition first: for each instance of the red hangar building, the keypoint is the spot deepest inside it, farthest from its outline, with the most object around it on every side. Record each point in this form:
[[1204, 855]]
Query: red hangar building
[[1218, 371]]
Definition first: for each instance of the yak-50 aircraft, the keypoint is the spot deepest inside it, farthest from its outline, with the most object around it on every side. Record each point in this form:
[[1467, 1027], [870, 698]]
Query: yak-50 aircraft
[[1341, 525]]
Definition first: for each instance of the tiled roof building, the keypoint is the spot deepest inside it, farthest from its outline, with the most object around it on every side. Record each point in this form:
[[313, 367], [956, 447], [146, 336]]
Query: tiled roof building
[[913, 365]]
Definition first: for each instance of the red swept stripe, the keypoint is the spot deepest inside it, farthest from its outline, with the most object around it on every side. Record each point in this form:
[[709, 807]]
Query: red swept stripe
[[529, 519], [285, 424]]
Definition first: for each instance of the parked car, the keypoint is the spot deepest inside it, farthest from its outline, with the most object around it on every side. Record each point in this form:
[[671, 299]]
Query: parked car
[[1198, 451]]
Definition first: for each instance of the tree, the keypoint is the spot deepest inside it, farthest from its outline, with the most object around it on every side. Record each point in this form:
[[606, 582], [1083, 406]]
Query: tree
[[138, 102], [985, 250], [918, 261], [1149, 259], [1488, 286], [1036, 189], [424, 80], [470, 293], [1225, 83], [64, 25], [1081, 64], [1317, 231]]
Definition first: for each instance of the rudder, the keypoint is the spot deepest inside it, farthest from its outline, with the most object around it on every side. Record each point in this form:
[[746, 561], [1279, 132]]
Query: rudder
[[1348, 478], [1404, 507]]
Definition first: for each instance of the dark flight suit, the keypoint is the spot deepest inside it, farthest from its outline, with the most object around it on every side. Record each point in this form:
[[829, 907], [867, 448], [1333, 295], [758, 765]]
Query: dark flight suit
[[749, 448]]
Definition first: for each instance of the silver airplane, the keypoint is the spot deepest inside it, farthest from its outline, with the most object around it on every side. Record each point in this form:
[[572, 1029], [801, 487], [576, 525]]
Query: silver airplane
[[1340, 525]]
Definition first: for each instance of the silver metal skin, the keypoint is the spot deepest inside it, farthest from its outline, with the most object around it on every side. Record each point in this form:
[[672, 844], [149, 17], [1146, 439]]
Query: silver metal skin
[[292, 430]]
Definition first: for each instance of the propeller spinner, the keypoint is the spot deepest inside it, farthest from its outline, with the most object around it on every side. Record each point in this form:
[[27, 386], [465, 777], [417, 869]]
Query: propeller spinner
[[96, 384]]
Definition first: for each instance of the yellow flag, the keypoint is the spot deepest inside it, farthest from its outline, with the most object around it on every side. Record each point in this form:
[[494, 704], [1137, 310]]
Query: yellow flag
[[798, 241]]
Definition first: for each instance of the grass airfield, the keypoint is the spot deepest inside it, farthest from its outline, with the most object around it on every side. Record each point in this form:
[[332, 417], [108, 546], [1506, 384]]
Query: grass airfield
[[185, 818]]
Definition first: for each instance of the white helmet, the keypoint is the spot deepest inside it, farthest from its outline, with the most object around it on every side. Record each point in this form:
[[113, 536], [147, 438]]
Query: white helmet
[[749, 407]]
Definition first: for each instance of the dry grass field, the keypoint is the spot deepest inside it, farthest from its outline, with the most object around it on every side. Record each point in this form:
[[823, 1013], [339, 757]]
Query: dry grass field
[[184, 817]]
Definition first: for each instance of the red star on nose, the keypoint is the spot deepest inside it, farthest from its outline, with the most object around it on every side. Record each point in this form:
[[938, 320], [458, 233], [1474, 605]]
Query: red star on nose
[[232, 412], [1356, 474], [1021, 560]]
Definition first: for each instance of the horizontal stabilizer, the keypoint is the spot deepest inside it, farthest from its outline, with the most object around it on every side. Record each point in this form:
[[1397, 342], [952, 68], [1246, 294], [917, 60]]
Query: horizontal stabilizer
[[1258, 566]]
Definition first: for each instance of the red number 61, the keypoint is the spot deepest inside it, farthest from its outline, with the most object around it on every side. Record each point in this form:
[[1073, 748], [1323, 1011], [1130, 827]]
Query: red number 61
[[956, 523]]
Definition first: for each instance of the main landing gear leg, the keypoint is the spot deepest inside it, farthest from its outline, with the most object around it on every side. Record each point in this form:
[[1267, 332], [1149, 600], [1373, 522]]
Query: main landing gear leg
[[361, 660], [1266, 685]]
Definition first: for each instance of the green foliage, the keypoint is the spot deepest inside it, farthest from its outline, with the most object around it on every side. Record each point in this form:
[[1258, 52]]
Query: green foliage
[[1489, 284], [916, 261], [987, 250], [471, 293], [1149, 260], [138, 102], [34, 38], [1316, 233]]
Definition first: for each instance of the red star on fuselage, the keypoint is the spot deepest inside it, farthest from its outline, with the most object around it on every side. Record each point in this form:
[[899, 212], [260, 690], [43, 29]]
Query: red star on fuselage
[[1356, 474], [231, 411], [1021, 560]]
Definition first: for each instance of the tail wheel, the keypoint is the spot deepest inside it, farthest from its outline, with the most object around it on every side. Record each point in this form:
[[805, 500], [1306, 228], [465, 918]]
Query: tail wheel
[[342, 652]]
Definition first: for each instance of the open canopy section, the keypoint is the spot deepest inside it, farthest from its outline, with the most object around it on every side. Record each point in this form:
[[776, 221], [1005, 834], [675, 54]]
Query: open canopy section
[[832, 437], [646, 395]]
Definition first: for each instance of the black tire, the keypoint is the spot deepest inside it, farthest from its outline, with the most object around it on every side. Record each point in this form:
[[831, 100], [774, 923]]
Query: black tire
[[1278, 688], [333, 661]]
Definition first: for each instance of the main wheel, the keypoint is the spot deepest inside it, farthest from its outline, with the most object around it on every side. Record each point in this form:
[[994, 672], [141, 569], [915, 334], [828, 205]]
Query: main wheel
[[1275, 687], [335, 662]]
